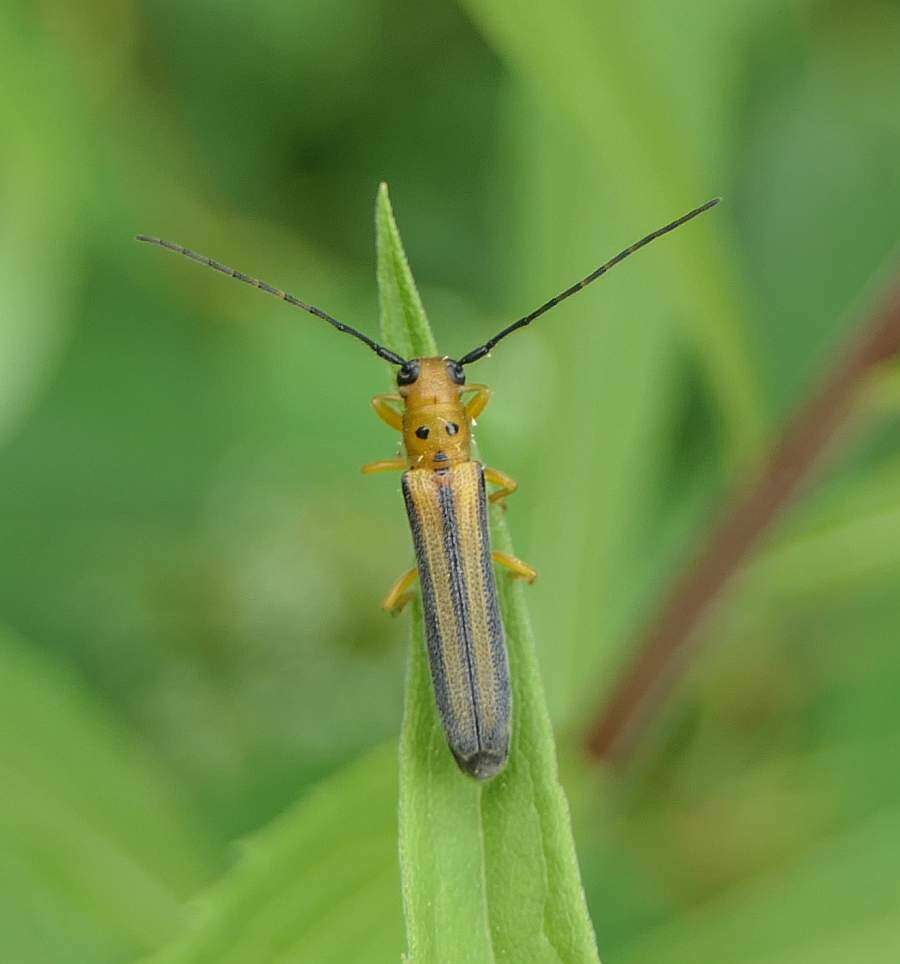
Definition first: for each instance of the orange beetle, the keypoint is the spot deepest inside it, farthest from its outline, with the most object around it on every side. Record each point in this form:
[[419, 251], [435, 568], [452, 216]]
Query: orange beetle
[[446, 501]]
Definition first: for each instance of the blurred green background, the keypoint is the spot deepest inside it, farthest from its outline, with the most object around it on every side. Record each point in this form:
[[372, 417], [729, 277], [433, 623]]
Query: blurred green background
[[191, 563]]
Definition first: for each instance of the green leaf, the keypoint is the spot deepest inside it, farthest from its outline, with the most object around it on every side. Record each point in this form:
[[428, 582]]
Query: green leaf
[[318, 884], [43, 121], [489, 871], [647, 128], [404, 325], [834, 894], [843, 538], [95, 857]]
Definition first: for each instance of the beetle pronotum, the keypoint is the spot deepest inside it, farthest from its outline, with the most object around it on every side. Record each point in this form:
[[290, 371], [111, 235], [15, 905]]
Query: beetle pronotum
[[446, 500]]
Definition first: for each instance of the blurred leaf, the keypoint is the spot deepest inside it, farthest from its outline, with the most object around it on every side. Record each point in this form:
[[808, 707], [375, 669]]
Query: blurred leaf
[[844, 554], [838, 890], [883, 397], [42, 120], [318, 884], [657, 157], [817, 86], [597, 409], [489, 871], [94, 855]]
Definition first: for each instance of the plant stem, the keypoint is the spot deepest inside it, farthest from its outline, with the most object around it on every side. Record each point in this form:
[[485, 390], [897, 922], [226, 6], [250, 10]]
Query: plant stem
[[664, 647]]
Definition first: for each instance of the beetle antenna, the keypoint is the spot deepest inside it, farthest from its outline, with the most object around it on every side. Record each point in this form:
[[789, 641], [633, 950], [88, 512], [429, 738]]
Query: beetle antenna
[[379, 350], [482, 350]]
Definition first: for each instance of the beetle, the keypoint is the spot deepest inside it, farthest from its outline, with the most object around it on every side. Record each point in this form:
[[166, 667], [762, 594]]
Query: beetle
[[446, 497]]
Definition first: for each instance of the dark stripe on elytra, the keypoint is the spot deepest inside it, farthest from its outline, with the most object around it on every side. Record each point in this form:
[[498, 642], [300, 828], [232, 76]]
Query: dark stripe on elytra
[[497, 635], [426, 581], [460, 594]]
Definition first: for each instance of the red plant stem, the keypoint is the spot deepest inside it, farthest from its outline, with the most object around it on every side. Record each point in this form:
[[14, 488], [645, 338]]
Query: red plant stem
[[663, 648]]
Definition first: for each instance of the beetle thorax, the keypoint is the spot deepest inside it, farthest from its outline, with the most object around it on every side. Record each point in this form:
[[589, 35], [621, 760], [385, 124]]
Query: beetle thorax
[[436, 431]]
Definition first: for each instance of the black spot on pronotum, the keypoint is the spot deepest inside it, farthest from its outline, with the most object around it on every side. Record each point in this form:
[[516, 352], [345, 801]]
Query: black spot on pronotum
[[452, 428], [422, 431]]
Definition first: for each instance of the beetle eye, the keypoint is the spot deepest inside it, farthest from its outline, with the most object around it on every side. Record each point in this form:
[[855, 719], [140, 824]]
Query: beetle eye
[[408, 373], [452, 428], [456, 372], [422, 431]]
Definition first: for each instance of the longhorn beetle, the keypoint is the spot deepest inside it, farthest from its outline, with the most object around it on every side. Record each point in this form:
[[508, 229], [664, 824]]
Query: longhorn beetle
[[446, 500]]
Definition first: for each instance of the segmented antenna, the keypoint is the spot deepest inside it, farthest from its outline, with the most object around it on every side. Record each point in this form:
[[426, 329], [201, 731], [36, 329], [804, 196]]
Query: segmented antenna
[[379, 350], [482, 350]]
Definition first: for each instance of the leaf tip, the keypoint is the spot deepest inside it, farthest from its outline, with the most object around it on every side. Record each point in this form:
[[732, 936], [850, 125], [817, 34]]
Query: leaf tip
[[383, 200]]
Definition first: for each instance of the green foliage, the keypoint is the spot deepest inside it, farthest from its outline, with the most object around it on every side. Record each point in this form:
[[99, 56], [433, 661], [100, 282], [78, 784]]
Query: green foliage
[[318, 884], [404, 324], [40, 197], [637, 126], [95, 855], [192, 562], [836, 914], [489, 871]]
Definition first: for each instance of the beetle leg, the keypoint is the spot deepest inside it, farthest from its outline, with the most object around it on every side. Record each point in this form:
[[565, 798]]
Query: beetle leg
[[399, 594], [386, 412], [517, 568], [479, 400], [384, 465], [507, 485]]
